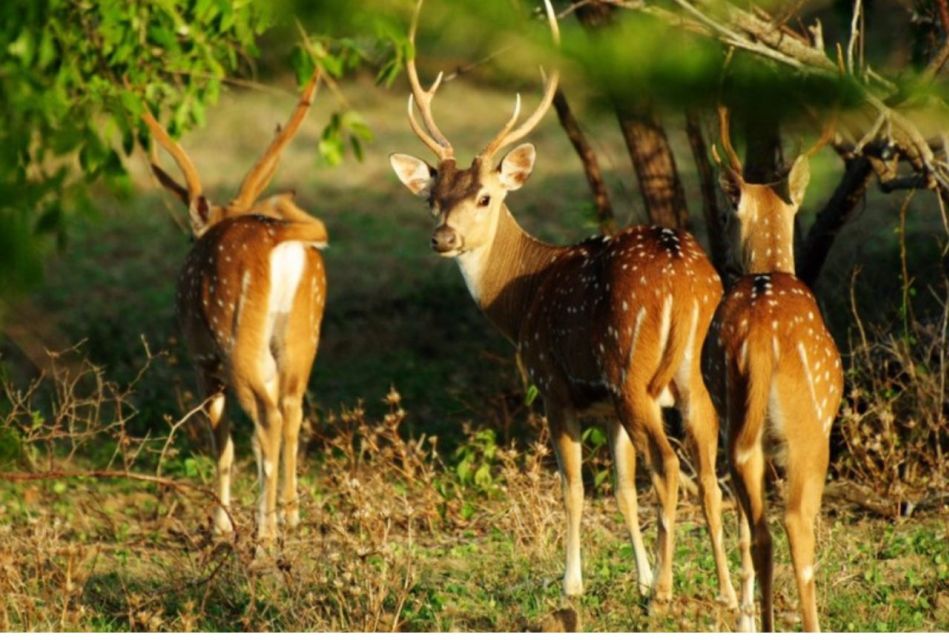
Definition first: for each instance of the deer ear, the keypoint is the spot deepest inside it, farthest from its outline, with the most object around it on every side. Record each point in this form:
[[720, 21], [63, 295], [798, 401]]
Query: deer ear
[[517, 165], [798, 178], [414, 173], [199, 211], [731, 183]]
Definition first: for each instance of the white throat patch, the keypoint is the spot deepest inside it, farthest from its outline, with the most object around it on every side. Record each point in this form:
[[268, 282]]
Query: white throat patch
[[473, 264]]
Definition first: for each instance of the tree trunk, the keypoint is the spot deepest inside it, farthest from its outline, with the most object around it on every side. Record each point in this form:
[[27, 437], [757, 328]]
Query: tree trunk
[[646, 141], [764, 161], [591, 167], [714, 221], [655, 167], [838, 211]]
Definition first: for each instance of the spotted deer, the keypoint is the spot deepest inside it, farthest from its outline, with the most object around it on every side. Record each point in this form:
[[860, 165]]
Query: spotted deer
[[775, 375], [609, 327], [250, 301]]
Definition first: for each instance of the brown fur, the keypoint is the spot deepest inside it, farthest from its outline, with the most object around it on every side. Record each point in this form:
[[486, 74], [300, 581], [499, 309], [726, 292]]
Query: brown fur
[[776, 377], [571, 313], [454, 185], [263, 354]]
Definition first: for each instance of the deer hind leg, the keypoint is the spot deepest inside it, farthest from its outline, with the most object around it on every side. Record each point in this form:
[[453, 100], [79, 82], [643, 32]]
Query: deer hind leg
[[698, 412], [565, 429], [295, 342], [624, 474], [256, 392], [212, 388], [805, 486], [289, 502], [748, 476], [746, 619], [640, 414], [294, 377]]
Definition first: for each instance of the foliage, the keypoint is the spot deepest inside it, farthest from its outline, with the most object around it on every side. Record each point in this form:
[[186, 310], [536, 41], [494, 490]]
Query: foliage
[[71, 73]]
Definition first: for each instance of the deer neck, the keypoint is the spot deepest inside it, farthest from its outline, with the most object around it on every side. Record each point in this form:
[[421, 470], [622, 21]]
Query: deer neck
[[768, 230], [503, 274]]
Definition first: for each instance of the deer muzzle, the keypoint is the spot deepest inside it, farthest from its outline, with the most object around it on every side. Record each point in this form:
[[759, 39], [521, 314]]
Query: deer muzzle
[[445, 239]]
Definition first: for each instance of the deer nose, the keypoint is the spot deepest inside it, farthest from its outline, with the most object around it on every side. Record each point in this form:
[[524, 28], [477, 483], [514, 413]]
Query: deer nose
[[444, 239]]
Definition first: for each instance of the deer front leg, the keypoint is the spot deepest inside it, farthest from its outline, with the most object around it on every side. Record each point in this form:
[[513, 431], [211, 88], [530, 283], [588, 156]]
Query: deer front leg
[[565, 430], [702, 424], [748, 476], [224, 451], [624, 474], [212, 389]]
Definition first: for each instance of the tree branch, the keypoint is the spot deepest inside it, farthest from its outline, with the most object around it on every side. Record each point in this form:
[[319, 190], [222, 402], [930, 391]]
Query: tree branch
[[837, 212]]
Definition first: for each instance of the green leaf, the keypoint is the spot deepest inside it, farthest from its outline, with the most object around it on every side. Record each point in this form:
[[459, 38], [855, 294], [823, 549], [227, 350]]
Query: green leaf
[[482, 477], [302, 63]]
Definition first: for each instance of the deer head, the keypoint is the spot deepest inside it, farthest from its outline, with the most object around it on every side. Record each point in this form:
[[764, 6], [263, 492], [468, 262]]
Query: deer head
[[761, 224], [202, 213], [467, 202]]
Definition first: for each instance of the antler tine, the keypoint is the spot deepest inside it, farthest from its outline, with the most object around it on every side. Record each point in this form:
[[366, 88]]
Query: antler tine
[[261, 173], [193, 188], [434, 139], [166, 180], [506, 136], [724, 131], [828, 131]]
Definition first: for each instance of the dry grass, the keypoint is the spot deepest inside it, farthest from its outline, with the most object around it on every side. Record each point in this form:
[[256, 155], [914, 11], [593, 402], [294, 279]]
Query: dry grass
[[894, 420], [396, 535]]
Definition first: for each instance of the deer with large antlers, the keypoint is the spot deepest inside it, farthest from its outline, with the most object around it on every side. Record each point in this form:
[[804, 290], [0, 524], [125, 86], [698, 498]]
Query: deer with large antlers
[[775, 374], [250, 301], [612, 326]]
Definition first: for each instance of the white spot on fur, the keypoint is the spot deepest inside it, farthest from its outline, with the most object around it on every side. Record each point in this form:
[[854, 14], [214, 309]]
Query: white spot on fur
[[802, 353], [640, 316]]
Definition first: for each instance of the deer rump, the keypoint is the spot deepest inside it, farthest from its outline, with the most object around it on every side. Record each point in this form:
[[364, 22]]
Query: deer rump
[[623, 288], [251, 257]]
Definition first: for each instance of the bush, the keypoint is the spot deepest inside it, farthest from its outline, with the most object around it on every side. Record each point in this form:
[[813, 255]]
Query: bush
[[893, 423]]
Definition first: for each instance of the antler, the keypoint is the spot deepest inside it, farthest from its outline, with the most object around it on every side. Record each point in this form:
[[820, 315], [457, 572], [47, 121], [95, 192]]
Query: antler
[[434, 139], [724, 131], [827, 134], [261, 173], [506, 136], [193, 189]]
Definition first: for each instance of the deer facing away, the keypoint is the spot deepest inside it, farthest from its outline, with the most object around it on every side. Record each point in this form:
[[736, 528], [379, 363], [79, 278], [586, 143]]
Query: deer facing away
[[775, 374], [250, 301], [612, 326]]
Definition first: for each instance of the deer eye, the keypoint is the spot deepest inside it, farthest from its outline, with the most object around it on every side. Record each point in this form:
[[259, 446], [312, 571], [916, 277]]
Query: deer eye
[[484, 201]]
